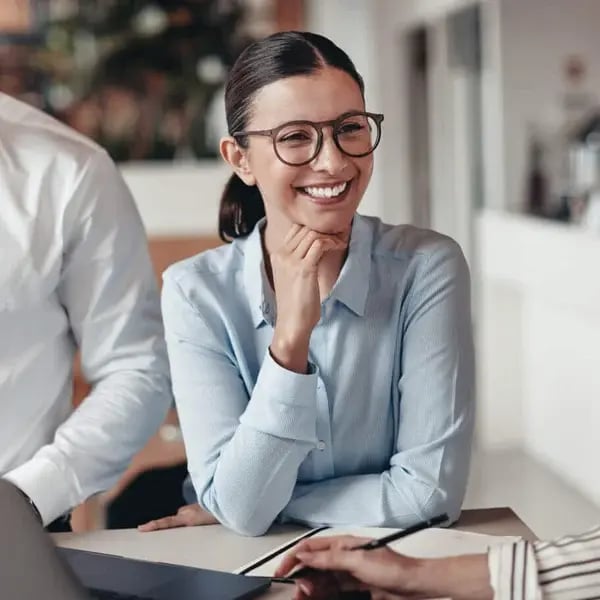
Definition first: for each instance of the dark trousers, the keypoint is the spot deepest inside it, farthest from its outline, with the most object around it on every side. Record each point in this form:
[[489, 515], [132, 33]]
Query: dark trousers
[[151, 495], [60, 525]]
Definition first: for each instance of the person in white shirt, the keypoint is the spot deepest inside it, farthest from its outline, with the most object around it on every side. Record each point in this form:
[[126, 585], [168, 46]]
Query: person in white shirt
[[75, 274], [567, 568]]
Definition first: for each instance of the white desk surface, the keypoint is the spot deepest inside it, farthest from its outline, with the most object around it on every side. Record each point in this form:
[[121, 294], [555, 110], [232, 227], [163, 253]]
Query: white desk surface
[[215, 547]]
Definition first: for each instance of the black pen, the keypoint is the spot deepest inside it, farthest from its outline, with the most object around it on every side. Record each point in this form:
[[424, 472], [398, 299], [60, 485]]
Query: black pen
[[373, 545], [384, 541]]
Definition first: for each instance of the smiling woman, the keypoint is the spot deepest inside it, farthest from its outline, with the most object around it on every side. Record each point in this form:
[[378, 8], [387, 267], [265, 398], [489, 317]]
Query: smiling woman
[[316, 327]]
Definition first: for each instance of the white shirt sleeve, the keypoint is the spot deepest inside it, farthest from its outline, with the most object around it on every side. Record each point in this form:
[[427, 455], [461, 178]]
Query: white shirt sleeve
[[564, 569], [108, 291]]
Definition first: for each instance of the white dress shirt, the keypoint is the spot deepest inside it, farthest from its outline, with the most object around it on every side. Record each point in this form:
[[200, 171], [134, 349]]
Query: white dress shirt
[[74, 274]]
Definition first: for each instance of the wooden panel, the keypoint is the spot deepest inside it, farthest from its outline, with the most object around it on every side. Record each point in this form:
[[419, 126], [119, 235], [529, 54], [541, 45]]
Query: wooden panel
[[165, 251], [289, 15], [16, 17]]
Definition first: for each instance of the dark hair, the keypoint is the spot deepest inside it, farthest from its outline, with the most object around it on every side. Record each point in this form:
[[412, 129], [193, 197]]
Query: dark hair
[[276, 57]]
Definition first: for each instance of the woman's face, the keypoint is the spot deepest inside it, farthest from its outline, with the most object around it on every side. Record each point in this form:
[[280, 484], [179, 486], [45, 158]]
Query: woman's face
[[325, 193]]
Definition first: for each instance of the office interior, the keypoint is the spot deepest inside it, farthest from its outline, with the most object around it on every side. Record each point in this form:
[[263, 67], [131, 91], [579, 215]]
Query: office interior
[[491, 136]]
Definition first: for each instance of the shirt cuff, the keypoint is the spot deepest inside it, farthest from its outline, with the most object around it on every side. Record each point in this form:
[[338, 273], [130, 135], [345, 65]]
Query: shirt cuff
[[513, 572], [43, 482], [284, 403]]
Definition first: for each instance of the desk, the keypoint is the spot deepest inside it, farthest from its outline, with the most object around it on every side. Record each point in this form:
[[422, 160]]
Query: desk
[[215, 547]]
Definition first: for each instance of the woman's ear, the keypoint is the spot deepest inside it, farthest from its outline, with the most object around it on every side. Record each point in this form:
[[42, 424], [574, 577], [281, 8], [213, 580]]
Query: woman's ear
[[237, 159]]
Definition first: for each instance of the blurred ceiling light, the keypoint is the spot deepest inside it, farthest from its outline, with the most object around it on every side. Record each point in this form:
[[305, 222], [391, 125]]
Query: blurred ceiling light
[[210, 69], [60, 97], [62, 9], [151, 20]]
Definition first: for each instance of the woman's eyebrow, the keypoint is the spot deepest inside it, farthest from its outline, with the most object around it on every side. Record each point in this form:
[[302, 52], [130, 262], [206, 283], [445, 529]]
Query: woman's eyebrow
[[307, 120]]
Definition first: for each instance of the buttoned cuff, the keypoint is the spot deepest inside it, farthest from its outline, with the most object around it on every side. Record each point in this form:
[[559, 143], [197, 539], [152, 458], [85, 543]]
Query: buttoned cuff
[[43, 482], [284, 403]]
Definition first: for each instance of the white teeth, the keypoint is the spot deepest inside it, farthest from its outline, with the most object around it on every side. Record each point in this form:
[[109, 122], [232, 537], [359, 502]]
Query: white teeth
[[326, 192]]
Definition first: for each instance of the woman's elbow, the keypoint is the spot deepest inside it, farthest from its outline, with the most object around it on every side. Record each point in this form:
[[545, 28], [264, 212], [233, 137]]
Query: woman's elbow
[[229, 507], [243, 520], [248, 527]]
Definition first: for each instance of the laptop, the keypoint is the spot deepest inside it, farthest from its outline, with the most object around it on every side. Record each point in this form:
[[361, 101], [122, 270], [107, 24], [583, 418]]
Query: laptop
[[32, 567]]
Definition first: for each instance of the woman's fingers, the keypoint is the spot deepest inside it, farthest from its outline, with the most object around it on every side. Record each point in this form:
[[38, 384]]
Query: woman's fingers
[[189, 515], [300, 238], [332, 559], [294, 236], [315, 253], [315, 544], [164, 523], [291, 560]]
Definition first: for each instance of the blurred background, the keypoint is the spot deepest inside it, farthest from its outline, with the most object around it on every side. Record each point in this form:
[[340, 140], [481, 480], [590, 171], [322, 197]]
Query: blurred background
[[491, 135]]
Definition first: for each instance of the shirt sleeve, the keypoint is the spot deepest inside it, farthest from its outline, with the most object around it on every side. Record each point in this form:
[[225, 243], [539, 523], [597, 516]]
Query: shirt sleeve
[[428, 472], [244, 447], [566, 569], [108, 291]]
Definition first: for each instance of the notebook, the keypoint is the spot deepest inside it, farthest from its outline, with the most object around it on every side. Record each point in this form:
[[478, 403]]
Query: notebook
[[429, 543]]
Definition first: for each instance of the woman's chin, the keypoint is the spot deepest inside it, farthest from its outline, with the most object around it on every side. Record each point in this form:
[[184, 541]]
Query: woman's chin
[[328, 226]]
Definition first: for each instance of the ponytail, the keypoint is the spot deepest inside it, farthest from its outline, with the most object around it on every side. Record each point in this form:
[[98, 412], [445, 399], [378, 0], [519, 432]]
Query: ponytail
[[241, 209]]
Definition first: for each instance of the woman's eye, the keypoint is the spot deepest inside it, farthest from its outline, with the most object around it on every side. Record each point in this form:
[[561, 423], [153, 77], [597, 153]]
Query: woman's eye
[[350, 128], [298, 136]]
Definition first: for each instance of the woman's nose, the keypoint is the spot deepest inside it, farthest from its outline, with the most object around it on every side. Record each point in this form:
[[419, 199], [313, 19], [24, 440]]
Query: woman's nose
[[330, 158]]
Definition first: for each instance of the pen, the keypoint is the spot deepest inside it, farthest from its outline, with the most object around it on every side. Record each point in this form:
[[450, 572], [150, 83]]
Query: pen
[[373, 544], [384, 541]]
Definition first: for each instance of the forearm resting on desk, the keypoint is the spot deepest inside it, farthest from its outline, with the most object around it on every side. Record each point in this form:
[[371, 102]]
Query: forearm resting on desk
[[389, 499], [247, 494], [243, 453]]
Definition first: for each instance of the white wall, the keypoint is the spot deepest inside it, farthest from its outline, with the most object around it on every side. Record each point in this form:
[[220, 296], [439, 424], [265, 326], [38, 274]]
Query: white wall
[[177, 199], [413, 12], [539, 349]]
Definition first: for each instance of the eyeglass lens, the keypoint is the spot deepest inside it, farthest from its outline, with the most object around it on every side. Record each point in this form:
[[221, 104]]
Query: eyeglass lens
[[299, 143]]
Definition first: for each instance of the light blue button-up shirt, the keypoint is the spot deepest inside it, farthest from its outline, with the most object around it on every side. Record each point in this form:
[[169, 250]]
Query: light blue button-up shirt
[[378, 433]]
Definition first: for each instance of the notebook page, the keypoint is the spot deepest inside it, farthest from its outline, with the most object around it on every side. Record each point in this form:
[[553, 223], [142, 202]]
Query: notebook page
[[436, 543], [429, 543]]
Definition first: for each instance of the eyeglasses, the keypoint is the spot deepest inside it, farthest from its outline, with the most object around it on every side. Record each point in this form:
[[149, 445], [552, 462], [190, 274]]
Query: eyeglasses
[[297, 143]]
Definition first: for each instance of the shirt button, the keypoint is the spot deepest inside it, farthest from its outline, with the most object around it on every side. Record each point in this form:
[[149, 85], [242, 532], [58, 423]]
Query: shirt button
[[321, 445]]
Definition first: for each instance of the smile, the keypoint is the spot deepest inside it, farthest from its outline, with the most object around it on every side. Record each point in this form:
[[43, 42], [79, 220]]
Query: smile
[[325, 191]]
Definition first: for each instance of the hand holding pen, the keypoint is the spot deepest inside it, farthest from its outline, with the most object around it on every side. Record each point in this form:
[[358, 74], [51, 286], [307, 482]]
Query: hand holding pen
[[316, 551]]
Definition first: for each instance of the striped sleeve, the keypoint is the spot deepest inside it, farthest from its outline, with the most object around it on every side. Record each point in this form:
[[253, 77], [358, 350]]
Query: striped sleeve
[[513, 572], [564, 569]]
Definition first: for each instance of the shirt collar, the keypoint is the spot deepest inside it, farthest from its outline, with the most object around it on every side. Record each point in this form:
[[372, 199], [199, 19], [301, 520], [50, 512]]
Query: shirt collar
[[258, 288], [351, 288]]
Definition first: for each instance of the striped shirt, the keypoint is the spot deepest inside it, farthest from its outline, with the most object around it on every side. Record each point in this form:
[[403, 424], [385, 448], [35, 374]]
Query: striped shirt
[[564, 569]]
